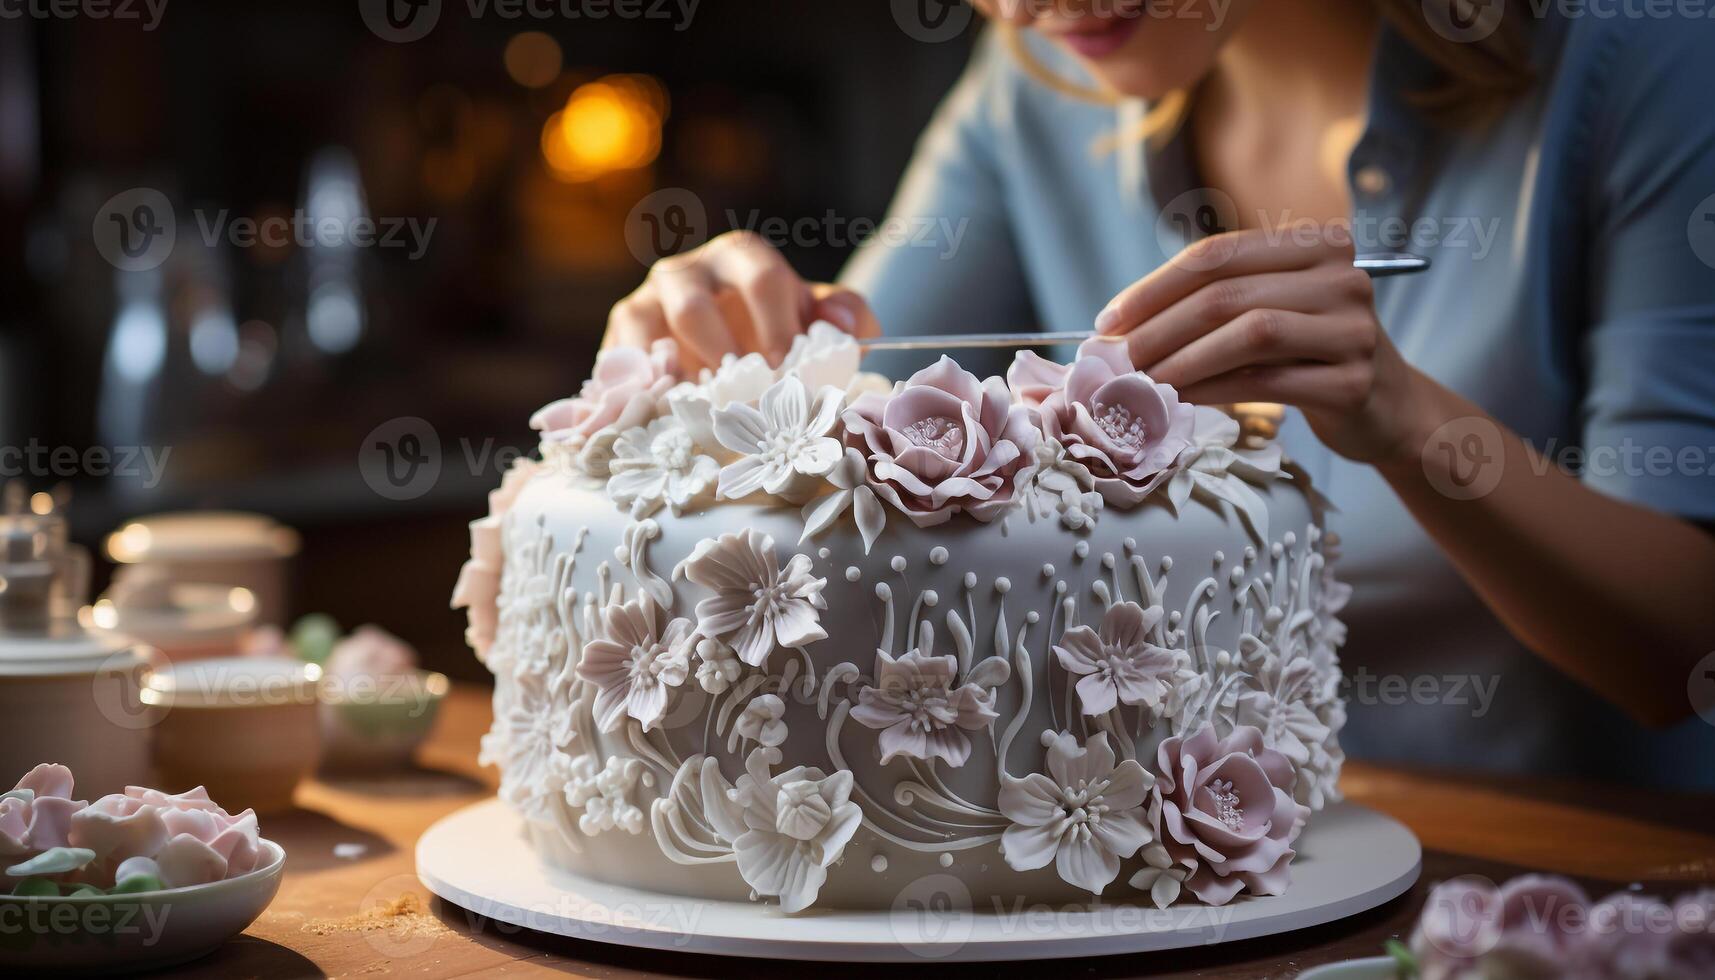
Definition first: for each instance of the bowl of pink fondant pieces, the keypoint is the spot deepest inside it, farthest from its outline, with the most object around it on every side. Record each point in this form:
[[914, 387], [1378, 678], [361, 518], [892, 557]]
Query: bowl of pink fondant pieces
[[132, 881]]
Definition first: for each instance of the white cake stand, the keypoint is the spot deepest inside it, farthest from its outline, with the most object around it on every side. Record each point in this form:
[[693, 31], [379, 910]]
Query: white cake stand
[[1350, 859]]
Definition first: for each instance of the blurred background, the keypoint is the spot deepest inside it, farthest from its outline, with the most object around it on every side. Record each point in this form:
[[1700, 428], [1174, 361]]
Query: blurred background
[[239, 240]]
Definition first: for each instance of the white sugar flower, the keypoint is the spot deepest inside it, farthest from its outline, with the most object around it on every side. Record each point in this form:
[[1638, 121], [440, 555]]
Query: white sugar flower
[[1066, 485], [658, 465], [738, 379], [756, 605], [785, 830], [851, 491], [604, 794], [1084, 815], [824, 355], [717, 666], [921, 709], [636, 665], [1119, 664], [784, 444], [521, 744], [763, 720]]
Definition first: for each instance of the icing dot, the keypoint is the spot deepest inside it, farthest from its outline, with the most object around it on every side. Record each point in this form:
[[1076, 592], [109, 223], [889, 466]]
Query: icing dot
[[930, 597], [937, 555], [1236, 576], [823, 553], [1289, 539], [1167, 563], [853, 573], [882, 592], [1060, 587], [946, 859], [1047, 571], [1220, 557], [1107, 559], [898, 563], [1081, 549], [1130, 544], [1173, 618], [620, 555], [1250, 554], [1032, 618], [970, 580], [1003, 585], [878, 864]]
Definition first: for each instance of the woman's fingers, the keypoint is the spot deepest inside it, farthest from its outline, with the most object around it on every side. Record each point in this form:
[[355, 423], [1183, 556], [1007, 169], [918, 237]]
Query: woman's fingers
[[1258, 337], [1213, 259], [734, 295], [776, 300], [1225, 300], [635, 321], [1334, 388], [844, 309], [686, 293]]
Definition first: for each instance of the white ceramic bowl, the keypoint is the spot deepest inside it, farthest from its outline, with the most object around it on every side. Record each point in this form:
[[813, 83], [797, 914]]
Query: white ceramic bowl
[[132, 933]]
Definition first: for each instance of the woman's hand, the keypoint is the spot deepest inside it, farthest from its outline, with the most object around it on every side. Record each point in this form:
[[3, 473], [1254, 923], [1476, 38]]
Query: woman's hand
[[733, 295], [1253, 316]]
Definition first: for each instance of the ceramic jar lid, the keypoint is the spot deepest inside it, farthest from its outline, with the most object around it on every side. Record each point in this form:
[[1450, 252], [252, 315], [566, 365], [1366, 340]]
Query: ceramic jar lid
[[65, 653], [233, 682], [210, 535], [165, 613]]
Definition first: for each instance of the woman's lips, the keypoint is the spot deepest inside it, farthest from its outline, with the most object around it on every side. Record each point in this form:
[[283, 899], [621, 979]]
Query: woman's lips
[[1101, 41]]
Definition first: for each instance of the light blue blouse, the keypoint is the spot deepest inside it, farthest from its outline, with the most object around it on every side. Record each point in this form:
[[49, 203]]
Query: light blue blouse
[[1572, 296]]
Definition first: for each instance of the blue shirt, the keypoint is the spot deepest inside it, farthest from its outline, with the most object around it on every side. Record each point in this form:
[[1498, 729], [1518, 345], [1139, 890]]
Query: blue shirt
[[1572, 296]]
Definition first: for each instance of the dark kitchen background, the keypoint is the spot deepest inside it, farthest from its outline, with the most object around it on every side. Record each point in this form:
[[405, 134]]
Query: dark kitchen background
[[526, 140]]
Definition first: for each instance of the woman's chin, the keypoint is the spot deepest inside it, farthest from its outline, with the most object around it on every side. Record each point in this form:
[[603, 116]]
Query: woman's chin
[[1138, 81]]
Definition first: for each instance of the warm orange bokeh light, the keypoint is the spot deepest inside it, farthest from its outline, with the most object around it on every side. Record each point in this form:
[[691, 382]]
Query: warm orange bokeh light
[[608, 125], [533, 59]]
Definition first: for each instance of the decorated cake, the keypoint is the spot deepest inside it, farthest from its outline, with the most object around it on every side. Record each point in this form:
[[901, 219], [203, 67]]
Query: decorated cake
[[804, 636]]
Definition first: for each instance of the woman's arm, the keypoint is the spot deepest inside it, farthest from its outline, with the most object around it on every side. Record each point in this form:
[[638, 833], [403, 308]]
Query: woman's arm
[[1615, 594]]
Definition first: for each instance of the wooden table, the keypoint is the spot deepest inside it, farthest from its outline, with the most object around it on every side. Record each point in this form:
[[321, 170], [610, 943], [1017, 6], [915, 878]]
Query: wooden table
[[351, 904]]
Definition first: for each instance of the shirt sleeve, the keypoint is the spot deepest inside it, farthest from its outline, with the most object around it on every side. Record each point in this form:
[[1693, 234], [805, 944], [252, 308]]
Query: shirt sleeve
[[945, 260], [1648, 412]]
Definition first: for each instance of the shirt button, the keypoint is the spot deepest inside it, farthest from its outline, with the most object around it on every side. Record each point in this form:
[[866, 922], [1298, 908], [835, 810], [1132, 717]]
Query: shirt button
[[1372, 181]]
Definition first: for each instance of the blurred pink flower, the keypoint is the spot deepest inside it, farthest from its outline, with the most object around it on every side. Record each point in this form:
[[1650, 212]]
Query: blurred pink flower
[[190, 838], [624, 391], [37, 814]]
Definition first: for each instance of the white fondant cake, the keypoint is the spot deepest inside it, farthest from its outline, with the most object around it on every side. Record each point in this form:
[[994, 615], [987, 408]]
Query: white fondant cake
[[805, 636]]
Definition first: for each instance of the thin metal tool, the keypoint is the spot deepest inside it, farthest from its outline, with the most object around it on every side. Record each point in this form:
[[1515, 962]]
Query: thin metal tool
[[1378, 264]]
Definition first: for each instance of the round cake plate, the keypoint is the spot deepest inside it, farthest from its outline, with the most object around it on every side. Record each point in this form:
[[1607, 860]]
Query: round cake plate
[[1350, 859]]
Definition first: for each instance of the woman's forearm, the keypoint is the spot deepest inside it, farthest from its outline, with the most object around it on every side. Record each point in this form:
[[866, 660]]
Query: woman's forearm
[[1614, 594]]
